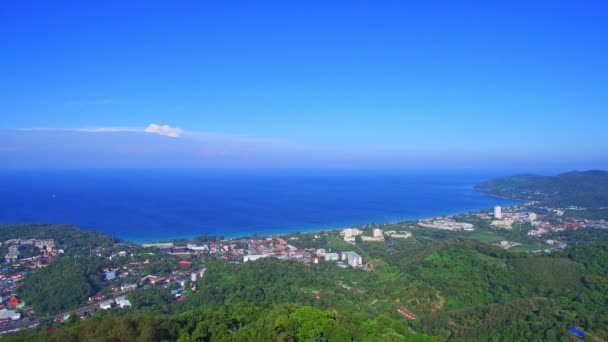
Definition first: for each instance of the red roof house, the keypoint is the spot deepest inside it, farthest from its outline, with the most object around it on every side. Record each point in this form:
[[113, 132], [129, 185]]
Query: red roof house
[[406, 312]]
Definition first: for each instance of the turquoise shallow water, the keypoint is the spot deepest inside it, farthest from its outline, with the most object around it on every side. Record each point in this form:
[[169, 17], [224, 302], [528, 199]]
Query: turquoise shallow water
[[149, 205]]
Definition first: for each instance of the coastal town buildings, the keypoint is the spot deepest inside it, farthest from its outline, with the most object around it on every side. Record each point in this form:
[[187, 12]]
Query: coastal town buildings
[[107, 304], [377, 236], [196, 276], [45, 247], [349, 234], [503, 224], [497, 212], [122, 302], [446, 224], [253, 257], [399, 235], [128, 287], [353, 259], [9, 315], [332, 257]]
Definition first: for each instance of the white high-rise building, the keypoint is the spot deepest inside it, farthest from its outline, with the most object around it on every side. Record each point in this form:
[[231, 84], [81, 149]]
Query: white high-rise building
[[350, 233], [378, 233], [497, 212], [353, 259]]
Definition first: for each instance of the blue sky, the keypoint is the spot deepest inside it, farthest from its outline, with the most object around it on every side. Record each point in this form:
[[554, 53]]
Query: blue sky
[[305, 84]]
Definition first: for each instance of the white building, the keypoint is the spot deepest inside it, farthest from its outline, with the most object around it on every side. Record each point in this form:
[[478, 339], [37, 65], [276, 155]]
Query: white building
[[332, 257], [198, 248], [497, 212], [254, 257], [378, 233], [532, 217], [110, 275], [128, 287], [350, 233], [123, 302], [447, 225], [400, 235], [9, 315], [106, 305], [157, 245], [195, 276], [48, 243], [353, 259]]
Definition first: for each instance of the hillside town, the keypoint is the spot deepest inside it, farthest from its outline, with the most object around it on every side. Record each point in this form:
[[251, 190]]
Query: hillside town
[[136, 265], [538, 222], [242, 250]]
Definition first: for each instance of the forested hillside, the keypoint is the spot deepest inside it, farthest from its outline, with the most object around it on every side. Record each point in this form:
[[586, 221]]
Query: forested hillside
[[74, 240], [585, 189], [458, 288]]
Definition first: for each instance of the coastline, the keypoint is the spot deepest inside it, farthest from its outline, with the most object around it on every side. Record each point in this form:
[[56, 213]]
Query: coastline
[[501, 197], [243, 204], [286, 231]]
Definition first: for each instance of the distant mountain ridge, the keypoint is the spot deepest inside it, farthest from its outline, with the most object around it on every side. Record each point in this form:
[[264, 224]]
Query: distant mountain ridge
[[587, 189]]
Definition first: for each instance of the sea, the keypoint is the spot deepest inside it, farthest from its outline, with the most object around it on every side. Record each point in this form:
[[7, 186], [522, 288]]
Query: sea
[[155, 205]]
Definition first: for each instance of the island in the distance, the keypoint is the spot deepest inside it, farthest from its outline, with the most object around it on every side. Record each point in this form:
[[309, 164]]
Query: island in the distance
[[535, 271]]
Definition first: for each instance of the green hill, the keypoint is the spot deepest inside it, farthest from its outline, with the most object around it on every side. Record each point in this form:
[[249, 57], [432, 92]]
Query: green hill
[[458, 289], [577, 188]]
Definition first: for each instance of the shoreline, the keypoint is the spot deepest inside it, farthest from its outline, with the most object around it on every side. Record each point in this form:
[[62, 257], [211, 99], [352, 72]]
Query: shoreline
[[288, 231], [485, 193], [166, 236]]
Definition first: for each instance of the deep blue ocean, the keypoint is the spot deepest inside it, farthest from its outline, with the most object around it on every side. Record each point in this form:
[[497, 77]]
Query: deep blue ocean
[[150, 205]]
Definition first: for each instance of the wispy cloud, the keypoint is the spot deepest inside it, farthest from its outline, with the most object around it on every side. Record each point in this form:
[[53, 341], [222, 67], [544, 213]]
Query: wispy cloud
[[165, 130], [150, 145], [105, 129]]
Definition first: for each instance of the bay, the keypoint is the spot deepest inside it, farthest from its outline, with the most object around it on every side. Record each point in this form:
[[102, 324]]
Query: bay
[[153, 205]]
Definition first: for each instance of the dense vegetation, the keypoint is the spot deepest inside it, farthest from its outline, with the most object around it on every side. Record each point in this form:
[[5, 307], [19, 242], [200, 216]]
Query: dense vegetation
[[66, 283], [74, 240], [589, 214], [586, 189], [458, 288], [245, 323]]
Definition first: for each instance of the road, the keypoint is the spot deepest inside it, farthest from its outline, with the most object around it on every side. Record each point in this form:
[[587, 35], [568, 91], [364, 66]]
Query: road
[[13, 326], [32, 322]]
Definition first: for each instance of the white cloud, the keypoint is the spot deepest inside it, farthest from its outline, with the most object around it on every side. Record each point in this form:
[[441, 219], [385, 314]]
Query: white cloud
[[165, 130]]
